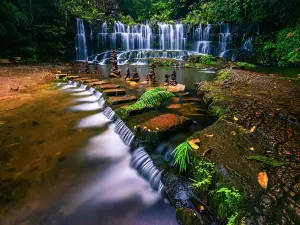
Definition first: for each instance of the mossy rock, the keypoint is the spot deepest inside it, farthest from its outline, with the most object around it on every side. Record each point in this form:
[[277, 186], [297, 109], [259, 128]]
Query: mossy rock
[[187, 216]]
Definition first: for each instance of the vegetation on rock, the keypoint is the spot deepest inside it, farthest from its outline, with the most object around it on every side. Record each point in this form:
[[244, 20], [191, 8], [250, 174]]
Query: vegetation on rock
[[266, 160], [182, 155], [204, 172]]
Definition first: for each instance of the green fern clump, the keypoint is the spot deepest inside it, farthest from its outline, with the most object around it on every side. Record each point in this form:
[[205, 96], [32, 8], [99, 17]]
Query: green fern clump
[[266, 160], [150, 99], [181, 155], [229, 201], [204, 174]]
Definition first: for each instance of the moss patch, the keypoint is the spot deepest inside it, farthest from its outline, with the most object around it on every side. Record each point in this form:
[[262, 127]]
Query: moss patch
[[266, 160]]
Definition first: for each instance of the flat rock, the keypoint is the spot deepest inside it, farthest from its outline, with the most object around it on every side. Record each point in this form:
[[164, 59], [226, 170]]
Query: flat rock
[[114, 92], [114, 100], [59, 75], [108, 86], [153, 131], [99, 83], [72, 77], [177, 88], [81, 79], [89, 81]]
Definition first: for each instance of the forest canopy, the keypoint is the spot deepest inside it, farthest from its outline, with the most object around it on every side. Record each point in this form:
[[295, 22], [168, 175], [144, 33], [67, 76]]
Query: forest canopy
[[41, 30]]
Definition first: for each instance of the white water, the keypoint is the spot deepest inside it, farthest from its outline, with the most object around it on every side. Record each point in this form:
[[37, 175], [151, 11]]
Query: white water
[[248, 44], [203, 41], [80, 41], [225, 38]]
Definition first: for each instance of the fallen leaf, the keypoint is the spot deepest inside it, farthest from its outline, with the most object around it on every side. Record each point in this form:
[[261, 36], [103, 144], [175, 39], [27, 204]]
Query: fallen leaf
[[292, 194], [252, 129], [262, 179], [208, 135], [193, 143], [2, 122], [206, 152], [157, 128], [149, 130], [233, 133], [252, 149], [202, 208], [235, 118], [134, 127]]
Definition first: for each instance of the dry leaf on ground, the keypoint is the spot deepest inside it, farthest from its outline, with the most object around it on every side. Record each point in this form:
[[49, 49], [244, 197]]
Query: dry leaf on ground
[[262, 179]]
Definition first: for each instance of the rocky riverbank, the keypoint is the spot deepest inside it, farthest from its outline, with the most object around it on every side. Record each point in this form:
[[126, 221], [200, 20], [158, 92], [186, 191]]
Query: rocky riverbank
[[255, 144]]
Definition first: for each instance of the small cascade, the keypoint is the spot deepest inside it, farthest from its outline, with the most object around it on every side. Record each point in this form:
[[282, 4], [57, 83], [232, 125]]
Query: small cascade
[[171, 37], [203, 39], [109, 113], [80, 41], [225, 38], [125, 133], [142, 162], [248, 44]]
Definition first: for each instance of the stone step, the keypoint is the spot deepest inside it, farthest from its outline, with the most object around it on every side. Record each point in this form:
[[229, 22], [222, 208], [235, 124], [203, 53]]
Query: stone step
[[59, 75], [114, 100], [93, 84], [79, 79], [89, 81], [114, 92], [72, 77], [107, 86]]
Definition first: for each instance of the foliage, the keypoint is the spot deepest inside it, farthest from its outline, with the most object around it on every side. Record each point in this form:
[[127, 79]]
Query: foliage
[[266, 160], [203, 59], [127, 20], [181, 155], [222, 74], [231, 220], [150, 99], [204, 173], [162, 62], [245, 65], [229, 201], [217, 111]]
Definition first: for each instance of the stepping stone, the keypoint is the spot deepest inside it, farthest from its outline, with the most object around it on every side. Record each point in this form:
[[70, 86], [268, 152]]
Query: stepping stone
[[81, 78], [72, 77], [114, 92], [96, 83], [177, 88], [60, 76], [114, 100], [107, 86], [89, 81]]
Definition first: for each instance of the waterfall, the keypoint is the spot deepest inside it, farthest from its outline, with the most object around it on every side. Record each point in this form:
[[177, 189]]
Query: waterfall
[[126, 135], [248, 44], [203, 39], [109, 113], [80, 41], [142, 162], [171, 37], [225, 38]]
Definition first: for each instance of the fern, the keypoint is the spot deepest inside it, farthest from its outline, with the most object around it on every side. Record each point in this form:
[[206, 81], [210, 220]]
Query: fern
[[181, 155], [150, 99], [204, 173]]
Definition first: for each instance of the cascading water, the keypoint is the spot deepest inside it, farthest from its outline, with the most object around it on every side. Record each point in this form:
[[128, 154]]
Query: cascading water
[[109, 113], [225, 38], [142, 162], [80, 41], [126, 135], [248, 44], [171, 37], [203, 39]]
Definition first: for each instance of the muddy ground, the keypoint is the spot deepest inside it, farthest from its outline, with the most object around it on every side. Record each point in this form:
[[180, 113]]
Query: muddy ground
[[259, 115]]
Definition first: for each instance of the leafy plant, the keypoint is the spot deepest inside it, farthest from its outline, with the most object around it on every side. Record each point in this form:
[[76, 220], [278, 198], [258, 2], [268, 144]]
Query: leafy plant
[[266, 160], [204, 173], [245, 65], [222, 74], [231, 219], [181, 155]]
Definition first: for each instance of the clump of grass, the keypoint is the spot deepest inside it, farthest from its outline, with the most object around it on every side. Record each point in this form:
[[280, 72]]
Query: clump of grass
[[266, 160], [150, 99], [245, 65], [204, 174], [181, 155]]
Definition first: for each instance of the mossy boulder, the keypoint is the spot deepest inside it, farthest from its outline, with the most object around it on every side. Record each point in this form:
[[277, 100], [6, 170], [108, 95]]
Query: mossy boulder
[[153, 131], [187, 216]]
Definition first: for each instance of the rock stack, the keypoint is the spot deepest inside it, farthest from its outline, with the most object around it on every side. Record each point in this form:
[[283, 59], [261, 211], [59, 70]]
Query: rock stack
[[127, 75], [135, 75], [173, 79], [115, 71]]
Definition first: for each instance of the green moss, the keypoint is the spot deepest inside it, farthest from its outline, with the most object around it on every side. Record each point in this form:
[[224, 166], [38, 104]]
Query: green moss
[[222, 74], [245, 65], [204, 172], [217, 111], [231, 220], [203, 59], [162, 62], [150, 99], [266, 160], [181, 155]]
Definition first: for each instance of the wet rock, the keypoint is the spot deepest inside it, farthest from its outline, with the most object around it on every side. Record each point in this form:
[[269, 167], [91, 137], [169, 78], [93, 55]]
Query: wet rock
[[97, 83], [187, 216], [114, 92], [153, 131], [72, 77], [89, 81], [176, 88], [108, 86], [114, 100]]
